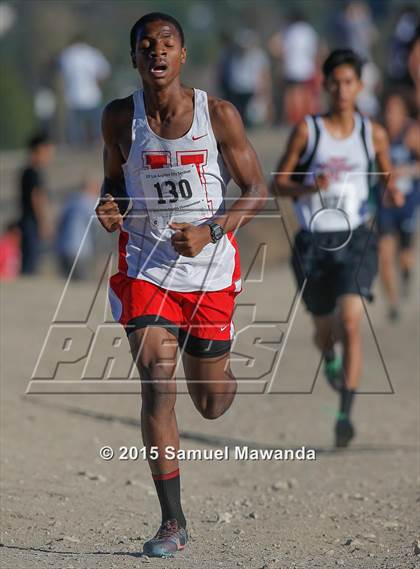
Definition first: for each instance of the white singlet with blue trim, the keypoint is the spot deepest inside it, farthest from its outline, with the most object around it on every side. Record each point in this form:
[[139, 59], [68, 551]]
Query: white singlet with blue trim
[[183, 180], [344, 205]]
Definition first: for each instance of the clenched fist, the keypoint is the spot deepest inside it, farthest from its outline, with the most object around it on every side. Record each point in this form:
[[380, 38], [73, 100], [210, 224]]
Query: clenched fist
[[109, 214], [323, 181], [188, 240]]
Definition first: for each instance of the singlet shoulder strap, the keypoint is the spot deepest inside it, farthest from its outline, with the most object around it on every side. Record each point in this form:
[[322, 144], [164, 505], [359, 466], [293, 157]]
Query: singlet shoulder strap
[[366, 136], [306, 158], [200, 97], [138, 101], [201, 110], [367, 141], [314, 133]]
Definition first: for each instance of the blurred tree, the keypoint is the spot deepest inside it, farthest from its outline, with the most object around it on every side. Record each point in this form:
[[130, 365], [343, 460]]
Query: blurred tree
[[16, 109]]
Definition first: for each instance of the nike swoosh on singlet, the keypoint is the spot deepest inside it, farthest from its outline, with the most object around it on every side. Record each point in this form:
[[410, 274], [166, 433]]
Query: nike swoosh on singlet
[[198, 137]]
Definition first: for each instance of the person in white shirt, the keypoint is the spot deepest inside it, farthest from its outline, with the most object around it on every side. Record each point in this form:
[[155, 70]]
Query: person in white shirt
[[297, 47], [82, 68], [249, 80], [300, 46]]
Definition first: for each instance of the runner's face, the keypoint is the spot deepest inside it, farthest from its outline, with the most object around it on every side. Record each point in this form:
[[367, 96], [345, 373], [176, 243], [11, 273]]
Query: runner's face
[[159, 54], [343, 86]]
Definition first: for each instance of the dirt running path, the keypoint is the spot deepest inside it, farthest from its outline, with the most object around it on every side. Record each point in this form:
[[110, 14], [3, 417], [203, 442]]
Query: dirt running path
[[65, 508]]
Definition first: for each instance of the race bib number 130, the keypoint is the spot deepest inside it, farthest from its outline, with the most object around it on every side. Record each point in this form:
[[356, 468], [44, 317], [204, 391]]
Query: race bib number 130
[[174, 194]]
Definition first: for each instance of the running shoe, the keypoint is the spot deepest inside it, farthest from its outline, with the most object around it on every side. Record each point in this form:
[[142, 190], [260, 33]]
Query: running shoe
[[333, 369], [170, 538], [344, 432]]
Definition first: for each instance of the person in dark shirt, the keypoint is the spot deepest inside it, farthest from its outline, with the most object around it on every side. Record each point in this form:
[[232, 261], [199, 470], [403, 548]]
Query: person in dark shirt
[[33, 203]]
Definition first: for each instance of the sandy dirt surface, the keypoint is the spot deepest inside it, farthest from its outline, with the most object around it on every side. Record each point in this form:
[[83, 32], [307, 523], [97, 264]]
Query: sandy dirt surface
[[64, 507]]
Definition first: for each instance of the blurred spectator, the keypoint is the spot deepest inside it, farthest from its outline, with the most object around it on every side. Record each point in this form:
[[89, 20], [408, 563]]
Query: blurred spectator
[[353, 28], [74, 242], [10, 256], [82, 68], [397, 226], [224, 66], [298, 48], [414, 65], [34, 222], [248, 77], [368, 99], [45, 105], [401, 40]]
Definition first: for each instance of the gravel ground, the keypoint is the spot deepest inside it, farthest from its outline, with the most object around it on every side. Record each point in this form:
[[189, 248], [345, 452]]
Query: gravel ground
[[64, 507]]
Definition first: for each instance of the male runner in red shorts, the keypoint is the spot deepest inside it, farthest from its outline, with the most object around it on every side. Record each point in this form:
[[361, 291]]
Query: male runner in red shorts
[[170, 151]]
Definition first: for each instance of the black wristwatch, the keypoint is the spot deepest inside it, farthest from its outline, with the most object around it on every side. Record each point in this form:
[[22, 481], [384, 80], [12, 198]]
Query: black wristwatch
[[216, 232]]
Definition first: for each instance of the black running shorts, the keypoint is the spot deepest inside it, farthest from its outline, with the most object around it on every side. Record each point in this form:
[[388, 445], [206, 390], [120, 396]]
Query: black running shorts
[[331, 269]]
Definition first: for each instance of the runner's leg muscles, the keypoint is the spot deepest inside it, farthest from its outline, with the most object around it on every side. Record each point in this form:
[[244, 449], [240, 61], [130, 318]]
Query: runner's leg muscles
[[211, 384], [154, 350], [324, 335], [406, 259], [349, 315], [387, 253]]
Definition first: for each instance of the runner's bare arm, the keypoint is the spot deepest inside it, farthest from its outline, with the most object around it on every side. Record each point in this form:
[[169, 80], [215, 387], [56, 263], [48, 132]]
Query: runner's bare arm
[[392, 196], [114, 202], [282, 184], [243, 165], [412, 141]]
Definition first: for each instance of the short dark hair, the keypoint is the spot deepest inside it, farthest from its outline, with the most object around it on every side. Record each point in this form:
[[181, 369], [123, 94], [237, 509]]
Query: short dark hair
[[38, 139], [342, 57], [154, 17]]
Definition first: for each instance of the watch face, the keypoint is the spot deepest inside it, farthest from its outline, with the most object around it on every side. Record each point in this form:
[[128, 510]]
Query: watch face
[[217, 232]]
